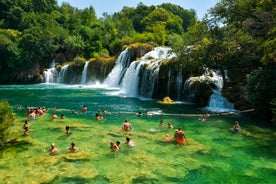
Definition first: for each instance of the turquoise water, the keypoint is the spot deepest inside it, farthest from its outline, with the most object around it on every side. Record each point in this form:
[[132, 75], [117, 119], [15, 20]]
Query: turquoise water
[[213, 154]]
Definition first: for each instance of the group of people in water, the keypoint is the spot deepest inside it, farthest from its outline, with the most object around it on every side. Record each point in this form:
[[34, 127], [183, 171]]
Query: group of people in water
[[179, 135], [54, 150]]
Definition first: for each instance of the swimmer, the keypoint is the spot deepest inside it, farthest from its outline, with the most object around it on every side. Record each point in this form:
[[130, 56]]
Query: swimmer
[[170, 126], [99, 115], [161, 122], [73, 148], [74, 112], [202, 118], [27, 131], [126, 126], [68, 132], [236, 127], [207, 115], [129, 142], [167, 138], [115, 146], [54, 116], [26, 125], [32, 114], [84, 109], [62, 116], [53, 149], [40, 111], [179, 136]]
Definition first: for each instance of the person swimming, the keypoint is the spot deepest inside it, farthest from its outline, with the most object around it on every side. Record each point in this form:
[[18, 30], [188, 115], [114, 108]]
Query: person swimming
[[170, 126], [26, 124], [84, 109], [129, 142], [115, 146], [167, 138], [179, 135], [236, 127], [67, 130], [53, 149], [73, 148], [27, 131], [126, 126], [54, 116], [62, 116], [99, 115]]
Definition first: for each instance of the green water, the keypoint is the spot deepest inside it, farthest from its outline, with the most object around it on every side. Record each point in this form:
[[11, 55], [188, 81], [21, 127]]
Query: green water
[[214, 154]]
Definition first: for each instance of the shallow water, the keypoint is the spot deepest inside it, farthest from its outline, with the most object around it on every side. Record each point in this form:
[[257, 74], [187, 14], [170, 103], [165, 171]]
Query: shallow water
[[213, 154]]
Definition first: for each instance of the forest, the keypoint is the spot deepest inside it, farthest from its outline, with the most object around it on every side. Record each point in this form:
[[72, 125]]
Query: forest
[[237, 36]]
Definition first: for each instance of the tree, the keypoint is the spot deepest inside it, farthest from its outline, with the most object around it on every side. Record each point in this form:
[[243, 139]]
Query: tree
[[262, 89], [9, 53], [188, 16], [160, 16]]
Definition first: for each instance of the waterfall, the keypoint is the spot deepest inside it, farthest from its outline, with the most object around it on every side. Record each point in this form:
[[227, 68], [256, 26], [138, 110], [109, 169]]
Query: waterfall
[[51, 73], [149, 77], [179, 81], [169, 80], [115, 77], [217, 102], [62, 74], [141, 76], [132, 74], [84, 73]]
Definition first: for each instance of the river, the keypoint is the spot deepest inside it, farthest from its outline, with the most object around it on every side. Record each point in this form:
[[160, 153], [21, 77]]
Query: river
[[213, 153]]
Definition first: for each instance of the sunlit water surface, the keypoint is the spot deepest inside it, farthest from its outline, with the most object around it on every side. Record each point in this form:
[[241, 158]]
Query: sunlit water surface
[[213, 154]]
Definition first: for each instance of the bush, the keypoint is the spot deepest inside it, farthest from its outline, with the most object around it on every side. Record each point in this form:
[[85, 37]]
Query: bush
[[6, 120]]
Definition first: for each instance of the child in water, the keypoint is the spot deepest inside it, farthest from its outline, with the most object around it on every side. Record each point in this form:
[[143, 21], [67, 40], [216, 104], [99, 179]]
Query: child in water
[[236, 127]]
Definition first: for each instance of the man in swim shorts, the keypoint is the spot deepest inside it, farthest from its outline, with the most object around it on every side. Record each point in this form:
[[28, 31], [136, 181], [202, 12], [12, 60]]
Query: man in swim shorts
[[179, 135], [126, 126]]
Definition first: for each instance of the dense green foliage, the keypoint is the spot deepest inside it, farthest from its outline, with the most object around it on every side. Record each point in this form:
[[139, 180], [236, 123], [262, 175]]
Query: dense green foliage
[[237, 36], [33, 32], [6, 120]]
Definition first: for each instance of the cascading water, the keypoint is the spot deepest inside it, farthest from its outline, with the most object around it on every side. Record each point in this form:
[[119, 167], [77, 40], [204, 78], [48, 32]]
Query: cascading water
[[169, 80], [51, 73], [148, 69], [140, 78], [132, 74], [179, 82], [217, 102], [62, 74], [84, 73], [115, 77]]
